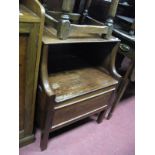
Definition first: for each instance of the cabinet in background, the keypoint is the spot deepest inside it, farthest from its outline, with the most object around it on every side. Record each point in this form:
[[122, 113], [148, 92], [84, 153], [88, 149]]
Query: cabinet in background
[[31, 21]]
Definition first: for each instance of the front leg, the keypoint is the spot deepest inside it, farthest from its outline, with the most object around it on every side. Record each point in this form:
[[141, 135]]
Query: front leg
[[49, 113], [108, 112], [101, 116]]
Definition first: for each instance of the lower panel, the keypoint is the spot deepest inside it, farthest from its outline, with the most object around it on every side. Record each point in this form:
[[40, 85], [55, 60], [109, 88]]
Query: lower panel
[[26, 140], [80, 109], [75, 119]]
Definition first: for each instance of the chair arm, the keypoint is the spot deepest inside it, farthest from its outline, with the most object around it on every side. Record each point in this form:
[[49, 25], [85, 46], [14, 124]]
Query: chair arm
[[44, 73], [109, 62]]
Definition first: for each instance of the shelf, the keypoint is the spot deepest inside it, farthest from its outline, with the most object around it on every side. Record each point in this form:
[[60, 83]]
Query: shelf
[[26, 15], [73, 83], [49, 37], [124, 4], [124, 35], [120, 4], [125, 19]]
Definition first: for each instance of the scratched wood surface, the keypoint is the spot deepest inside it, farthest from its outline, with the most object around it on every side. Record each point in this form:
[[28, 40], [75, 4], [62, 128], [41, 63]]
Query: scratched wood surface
[[49, 37], [73, 83]]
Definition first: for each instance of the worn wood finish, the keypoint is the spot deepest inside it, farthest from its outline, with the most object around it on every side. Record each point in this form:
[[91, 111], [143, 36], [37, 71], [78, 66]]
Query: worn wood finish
[[88, 29], [93, 26], [73, 29], [67, 96], [49, 37], [69, 84], [67, 113], [82, 98], [65, 30], [30, 32]]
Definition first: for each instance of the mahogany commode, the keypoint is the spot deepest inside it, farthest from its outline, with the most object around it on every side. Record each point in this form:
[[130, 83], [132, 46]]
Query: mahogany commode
[[77, 79], [77, 71]]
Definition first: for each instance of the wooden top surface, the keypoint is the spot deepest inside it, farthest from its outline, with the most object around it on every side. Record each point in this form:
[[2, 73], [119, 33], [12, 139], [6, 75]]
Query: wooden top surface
[[49, 37], [26, 15], [70, 84]]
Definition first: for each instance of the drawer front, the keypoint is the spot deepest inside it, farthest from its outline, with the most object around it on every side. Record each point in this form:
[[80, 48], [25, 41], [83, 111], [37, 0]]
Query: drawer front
[[84, 108]]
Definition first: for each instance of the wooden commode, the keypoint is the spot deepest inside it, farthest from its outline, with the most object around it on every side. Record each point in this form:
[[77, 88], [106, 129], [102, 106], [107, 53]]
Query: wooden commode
[[77, 79]]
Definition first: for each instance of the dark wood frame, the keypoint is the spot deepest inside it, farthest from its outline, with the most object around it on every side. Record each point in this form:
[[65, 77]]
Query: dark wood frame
[[126, 78], [46, 106]]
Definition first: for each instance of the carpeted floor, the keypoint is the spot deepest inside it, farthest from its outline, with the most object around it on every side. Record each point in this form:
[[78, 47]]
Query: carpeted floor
[[112, 137]]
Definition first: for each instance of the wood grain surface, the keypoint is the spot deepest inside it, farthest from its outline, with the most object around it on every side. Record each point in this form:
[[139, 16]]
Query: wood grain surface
[[70, 84]]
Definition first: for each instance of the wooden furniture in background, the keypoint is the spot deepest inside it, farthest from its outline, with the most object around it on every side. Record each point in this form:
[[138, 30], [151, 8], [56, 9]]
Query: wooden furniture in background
[[127, 77], [124, 29], [125, 18], [31, 22], [67, 23], [77, 79]]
